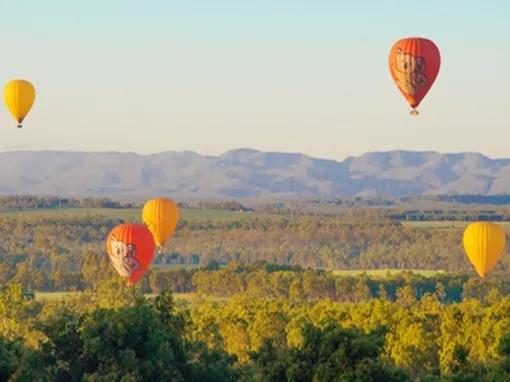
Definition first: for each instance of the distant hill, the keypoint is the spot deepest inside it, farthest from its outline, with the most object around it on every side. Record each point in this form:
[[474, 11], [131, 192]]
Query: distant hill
[[246, 173]]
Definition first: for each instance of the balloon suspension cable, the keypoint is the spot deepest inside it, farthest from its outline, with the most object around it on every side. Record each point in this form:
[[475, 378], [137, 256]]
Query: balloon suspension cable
[[414, 112]]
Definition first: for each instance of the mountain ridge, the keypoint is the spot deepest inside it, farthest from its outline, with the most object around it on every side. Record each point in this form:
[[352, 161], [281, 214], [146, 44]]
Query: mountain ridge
[[248, 173]]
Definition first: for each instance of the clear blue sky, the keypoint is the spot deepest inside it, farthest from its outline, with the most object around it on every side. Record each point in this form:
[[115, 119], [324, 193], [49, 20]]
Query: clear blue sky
[[287, 75]]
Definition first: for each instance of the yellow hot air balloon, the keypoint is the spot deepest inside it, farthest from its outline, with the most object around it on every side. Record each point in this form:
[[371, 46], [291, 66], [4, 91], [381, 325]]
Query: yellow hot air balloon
[[19, 96], [160, 216], [484, 244]]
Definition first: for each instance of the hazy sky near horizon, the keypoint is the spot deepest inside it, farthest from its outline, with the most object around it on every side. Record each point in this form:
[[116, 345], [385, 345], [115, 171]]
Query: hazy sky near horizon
[[279, 75]]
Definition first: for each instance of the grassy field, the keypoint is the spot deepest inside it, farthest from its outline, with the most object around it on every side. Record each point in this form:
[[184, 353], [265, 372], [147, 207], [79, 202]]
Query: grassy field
[[435, 224], [194, 298], [381, 273], [127, 214], [447, 225], [54, 295], [189, 297]]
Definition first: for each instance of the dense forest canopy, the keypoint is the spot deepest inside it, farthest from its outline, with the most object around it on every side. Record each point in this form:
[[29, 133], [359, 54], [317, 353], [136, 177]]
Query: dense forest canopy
[[261, 294], [115, 333]]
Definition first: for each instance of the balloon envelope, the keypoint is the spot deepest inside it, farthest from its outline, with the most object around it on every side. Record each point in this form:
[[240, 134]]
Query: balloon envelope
[[19, 96], [484, 244], [161, 217], [414, 65], [131, 250]]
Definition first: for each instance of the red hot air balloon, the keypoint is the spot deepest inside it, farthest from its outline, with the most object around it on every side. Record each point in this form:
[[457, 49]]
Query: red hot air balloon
[[414, 65], [131, 250]]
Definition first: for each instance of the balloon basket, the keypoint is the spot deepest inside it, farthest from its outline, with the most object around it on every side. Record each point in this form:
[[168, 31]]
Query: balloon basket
[[414, 112]]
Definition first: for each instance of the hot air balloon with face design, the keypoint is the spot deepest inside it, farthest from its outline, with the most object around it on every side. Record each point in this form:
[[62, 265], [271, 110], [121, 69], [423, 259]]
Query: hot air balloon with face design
[[131, 250], [414, 64]]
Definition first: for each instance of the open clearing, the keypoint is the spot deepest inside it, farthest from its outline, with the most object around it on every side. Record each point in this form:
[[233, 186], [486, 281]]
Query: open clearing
[[381, 273], [191, 297], [54, 295], [446, 224]]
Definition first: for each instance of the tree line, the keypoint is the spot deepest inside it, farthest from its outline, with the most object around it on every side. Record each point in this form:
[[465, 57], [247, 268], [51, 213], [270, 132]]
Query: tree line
[[29, 202]]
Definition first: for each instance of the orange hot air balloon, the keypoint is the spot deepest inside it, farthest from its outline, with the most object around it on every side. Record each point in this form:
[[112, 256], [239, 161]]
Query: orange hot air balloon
[[414, 65], [131, 250], [160, 216], [484, 244]]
